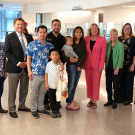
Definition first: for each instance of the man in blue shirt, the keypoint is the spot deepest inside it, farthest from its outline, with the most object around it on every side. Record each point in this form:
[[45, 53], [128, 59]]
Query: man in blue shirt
[[37, 58]]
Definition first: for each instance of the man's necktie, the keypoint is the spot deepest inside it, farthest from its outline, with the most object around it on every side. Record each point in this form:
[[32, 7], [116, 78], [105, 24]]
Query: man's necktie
[[23, 44]]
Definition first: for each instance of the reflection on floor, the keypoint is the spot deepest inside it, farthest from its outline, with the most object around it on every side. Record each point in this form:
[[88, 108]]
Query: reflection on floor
[[86, 121]]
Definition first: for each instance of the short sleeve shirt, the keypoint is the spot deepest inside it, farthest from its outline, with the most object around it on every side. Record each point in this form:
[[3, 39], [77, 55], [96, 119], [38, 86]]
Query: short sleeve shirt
[[53, 74], [2, 54], [40, 54]]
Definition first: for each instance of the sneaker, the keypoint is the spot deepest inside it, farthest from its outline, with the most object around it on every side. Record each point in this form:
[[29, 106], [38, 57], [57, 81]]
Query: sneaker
[[54, 114], [72, 106], [43, 112], [35, 115], [58, 114], [77, 104], [46, 106]]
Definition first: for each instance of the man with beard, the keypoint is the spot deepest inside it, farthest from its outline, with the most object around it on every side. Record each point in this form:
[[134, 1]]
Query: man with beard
[[58, 41]]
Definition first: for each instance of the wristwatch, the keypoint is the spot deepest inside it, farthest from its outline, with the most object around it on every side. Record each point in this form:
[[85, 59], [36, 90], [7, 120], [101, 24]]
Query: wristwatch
[[61, 63], [117, 69]]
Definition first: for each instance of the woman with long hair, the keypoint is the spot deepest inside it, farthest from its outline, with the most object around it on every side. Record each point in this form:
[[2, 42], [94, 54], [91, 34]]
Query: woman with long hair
[[126, 86], [79, 48]]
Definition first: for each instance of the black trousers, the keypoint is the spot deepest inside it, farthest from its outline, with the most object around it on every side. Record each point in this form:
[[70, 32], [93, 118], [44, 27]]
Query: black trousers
[[46, 99], [110, 77], [126, 85], [1, 89], [52, 99]]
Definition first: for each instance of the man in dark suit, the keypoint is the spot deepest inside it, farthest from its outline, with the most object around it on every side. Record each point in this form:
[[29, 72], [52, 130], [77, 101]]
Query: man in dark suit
[[15, 46]]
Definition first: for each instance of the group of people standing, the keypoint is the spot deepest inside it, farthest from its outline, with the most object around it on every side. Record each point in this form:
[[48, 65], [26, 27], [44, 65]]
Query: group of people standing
[[41, 61]]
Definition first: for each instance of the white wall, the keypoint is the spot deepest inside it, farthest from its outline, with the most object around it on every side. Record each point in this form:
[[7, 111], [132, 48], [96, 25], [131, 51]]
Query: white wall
[[65, 18], [119, 15], [31, 20]]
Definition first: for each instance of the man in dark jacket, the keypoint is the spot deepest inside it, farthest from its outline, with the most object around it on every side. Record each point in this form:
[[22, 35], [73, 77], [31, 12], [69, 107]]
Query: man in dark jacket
[[15, 45]]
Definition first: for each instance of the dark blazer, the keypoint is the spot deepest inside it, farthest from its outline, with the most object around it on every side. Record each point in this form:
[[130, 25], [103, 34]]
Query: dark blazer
[[14, 52], [132, 51]]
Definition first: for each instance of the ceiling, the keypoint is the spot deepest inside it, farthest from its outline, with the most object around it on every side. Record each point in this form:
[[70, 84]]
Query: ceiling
[[130, 5], [25, 1]]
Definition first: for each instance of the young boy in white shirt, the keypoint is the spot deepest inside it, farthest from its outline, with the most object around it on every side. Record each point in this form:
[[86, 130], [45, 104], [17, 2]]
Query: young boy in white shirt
[[52, 76]]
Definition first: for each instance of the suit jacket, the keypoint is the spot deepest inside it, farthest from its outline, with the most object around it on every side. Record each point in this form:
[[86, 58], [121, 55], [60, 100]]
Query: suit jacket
[[95, 58], [118, 55], [14, 52]]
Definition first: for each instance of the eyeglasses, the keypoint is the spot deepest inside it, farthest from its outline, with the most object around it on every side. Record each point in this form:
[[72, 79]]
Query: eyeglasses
[[127, 28]]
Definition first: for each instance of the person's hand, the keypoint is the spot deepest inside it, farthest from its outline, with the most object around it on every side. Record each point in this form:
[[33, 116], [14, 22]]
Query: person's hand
[[5, 76], [30, 75], [71, 60], [116, 72], [47, 87], [131, 68], [75, 59], [61, 67], [100, 69], [22, 65]]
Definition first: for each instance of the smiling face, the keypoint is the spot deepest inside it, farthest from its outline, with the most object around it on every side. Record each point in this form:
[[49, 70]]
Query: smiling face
[[56, 26], [113, 36], [78, 33], [127, 29], [19, 26], [94, 31]]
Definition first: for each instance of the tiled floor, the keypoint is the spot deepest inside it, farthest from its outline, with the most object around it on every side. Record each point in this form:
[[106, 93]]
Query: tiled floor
[[86, 121]]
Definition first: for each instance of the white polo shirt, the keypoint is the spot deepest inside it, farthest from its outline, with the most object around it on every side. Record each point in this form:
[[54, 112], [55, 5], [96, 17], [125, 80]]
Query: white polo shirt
[[53, 74]]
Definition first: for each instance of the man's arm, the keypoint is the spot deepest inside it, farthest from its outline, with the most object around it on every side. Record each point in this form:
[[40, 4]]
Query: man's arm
[[30, 74]]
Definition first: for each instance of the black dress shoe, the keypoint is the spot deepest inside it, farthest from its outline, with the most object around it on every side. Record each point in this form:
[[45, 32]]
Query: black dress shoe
[[13, 114], [3, 111], [114, 106], [126, 103], [108, 103], [24, 109], [46, 106]]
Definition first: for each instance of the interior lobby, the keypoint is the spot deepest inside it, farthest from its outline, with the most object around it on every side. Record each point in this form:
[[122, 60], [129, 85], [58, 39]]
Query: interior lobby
[[104, 120]]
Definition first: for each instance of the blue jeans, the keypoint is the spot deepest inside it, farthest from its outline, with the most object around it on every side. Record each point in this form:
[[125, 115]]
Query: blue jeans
[[73, 78], [1, 89]]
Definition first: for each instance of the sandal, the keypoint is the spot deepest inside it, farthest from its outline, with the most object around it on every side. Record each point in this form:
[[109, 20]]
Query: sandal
[[94, 106], [89, 104], [74, 102]]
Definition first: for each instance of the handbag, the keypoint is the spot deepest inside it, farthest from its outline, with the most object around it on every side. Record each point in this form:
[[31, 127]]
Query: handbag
[[62, 90]]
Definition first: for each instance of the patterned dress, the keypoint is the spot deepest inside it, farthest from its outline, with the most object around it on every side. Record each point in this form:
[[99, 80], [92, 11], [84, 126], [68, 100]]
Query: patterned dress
[[2, 54], [127, 47]]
